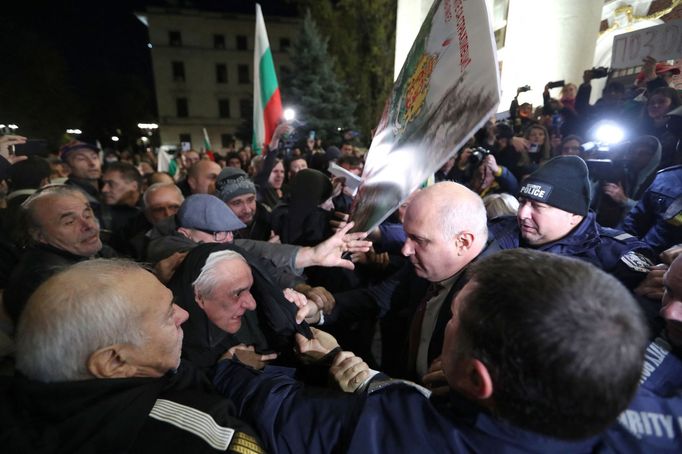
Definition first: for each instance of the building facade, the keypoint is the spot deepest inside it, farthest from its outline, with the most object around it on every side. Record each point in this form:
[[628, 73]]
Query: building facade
[[203, 71]]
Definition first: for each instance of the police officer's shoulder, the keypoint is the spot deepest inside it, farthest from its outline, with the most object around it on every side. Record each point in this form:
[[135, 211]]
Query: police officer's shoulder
[[670, 169], [617, 235]]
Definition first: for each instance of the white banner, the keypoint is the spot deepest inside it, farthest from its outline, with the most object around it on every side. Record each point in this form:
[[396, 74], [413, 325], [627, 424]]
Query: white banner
[[447, 88], [663, 42]]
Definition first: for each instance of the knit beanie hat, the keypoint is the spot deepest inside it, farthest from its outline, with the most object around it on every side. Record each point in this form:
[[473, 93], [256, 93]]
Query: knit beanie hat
[[233, 182], [561, 182]]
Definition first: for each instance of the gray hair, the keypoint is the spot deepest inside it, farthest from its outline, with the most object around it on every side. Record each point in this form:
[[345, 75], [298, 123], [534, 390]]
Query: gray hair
[[27, 215], [497, 205], [209, 277], [155, 187], [73, 314]]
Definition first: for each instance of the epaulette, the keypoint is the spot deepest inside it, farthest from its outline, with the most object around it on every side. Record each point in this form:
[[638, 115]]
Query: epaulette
[[617, 235], [667, 169], [381, 383]]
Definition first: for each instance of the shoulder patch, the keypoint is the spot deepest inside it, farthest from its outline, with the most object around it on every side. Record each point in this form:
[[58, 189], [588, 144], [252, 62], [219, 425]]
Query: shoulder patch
[[623, 236], [194, 421], [637, 262]]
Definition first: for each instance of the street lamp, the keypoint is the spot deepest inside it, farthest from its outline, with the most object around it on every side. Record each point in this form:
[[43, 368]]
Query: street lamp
[[75, 131]]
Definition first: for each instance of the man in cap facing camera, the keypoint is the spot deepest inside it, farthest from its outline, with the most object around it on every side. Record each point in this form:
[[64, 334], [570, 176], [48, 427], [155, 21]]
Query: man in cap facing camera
[[235, 188], [554, 216]]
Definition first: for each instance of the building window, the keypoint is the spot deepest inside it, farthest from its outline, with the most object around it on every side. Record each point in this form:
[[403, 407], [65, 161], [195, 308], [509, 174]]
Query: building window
[[178, 71], [221, 73], [284, 44], [181, 107], [243, 74], [185, 141], [241, 42], [175, 38], [226, 140], [224, 108], [219, 41], [245, 108]]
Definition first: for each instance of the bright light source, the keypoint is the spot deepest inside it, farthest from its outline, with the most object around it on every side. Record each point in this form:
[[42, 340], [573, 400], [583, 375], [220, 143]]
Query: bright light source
[[147, 125], [144, 139], [289, 114], [114, 138], [74, 131], [149, 45], [609, 133], [13, 126]]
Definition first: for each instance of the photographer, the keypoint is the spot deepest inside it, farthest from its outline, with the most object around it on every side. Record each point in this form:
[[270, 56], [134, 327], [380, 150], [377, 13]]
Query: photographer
[[488, 177], [561, 113], [609, 106], [617, 190], [521, 115]]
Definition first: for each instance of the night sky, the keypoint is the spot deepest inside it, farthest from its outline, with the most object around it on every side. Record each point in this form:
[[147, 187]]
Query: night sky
[[102, 49]]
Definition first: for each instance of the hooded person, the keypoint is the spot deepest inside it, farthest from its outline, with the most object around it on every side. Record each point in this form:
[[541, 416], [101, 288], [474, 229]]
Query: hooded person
[[304, 218]]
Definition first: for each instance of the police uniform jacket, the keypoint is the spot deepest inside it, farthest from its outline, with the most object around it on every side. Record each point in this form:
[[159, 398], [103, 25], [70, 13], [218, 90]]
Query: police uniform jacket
[[389, 416], [648, 219], [614, 251], [653, 420]]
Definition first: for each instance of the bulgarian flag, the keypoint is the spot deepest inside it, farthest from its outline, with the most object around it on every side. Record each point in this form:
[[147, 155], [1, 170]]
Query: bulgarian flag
[[207, 146], [267, 104]]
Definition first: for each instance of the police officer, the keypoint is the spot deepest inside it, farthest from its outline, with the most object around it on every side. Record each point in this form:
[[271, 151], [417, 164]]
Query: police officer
[[657, 217], [554, 217], [652, 421]]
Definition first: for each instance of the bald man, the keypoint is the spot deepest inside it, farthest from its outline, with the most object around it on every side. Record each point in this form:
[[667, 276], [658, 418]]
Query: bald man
[[446, 231]]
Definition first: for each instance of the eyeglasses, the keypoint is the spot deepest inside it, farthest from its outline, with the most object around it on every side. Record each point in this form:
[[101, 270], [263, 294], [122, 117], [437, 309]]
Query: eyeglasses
[[219, 237]]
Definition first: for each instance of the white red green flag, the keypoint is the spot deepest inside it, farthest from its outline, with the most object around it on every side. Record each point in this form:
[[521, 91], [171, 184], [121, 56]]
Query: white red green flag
[[267, 103], [207, 146]]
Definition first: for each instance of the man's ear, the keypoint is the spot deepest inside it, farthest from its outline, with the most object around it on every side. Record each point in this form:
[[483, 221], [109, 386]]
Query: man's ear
[[109, 362], [192, 182], [475, 381], [199, 299], [576, 219], [465, 240]]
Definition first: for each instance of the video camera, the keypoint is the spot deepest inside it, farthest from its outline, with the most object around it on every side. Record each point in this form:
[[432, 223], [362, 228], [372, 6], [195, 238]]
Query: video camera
[[602, 154]]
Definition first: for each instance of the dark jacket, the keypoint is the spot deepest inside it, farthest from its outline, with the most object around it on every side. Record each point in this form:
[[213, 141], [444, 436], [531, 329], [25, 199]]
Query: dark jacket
[[651, 422], [648, 220], [37, 264], [272, 326], [145, 415], [390, 416]]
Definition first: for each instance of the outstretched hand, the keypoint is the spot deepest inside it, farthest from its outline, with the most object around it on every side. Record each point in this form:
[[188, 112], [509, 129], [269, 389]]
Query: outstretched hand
[[329, 253]]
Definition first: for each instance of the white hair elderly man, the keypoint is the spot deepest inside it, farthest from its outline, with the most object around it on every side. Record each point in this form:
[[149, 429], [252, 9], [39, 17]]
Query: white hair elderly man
[[100, 370], [215, 285]]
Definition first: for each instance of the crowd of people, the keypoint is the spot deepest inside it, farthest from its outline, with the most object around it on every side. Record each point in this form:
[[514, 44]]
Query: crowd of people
[[528, 301]]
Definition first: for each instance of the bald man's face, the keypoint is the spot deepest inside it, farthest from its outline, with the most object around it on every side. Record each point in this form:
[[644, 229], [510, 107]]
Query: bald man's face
[[203, 180], [435, 257], [162, 203]]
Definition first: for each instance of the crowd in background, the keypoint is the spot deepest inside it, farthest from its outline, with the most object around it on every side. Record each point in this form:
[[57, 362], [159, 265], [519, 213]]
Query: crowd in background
[[253, 250]]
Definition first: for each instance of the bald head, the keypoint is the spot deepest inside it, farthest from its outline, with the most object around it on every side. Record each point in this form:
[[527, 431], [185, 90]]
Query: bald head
[[201, 177], [446, 229]]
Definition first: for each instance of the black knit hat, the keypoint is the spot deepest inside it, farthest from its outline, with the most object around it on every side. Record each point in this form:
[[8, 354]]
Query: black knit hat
[[561, 182]]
